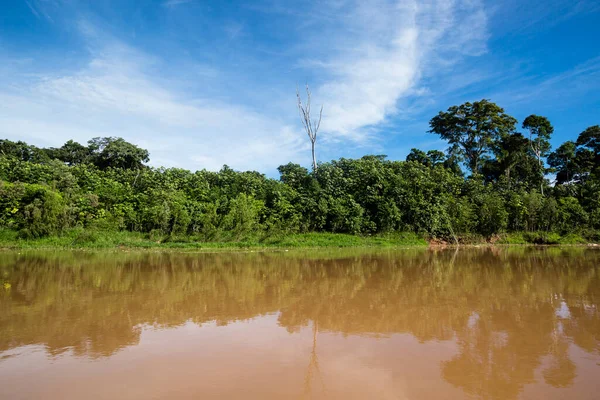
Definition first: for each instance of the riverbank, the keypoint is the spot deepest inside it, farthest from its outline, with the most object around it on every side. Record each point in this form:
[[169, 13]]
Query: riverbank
[[97, 239]]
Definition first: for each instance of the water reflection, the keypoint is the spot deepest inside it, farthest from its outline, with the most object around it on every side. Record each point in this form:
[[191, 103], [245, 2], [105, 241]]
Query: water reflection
[[512, 313]]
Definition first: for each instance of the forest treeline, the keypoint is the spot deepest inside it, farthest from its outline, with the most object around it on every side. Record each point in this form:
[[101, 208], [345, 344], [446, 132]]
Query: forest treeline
[[492, 179]]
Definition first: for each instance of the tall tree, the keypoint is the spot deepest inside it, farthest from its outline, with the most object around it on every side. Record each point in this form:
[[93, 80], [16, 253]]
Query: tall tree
[[437, 157], [589, 147], [22, 151], [310, 126], [293, 175], [419, 156], [471, 129], [117, 153], [540, 130], [73, 153], [563, 160], [512, 160], [429, 159]]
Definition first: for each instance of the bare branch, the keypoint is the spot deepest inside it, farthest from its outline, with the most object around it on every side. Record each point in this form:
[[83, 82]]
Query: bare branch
[[319, 122], [310, 127]]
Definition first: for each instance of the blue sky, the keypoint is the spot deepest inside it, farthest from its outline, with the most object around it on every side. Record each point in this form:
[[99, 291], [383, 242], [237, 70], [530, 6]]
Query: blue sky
[[206, 83]]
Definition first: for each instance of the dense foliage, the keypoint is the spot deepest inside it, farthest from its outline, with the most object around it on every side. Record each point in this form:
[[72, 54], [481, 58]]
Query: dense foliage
[[503, 188]]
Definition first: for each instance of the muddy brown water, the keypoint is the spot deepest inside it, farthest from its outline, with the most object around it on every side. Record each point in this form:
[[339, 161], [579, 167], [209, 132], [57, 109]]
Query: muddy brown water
[[510, 323]]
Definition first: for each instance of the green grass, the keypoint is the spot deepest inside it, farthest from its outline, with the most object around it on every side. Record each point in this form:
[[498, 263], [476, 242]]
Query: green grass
[[573, 238], [512, 238], [101, 239], [340, 240], [97, 239], [544, 238]]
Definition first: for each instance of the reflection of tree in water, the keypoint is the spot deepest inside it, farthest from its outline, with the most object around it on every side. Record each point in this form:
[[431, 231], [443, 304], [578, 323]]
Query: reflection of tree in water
[[561, 371], [500, 306], [500, 352], [583, 326], [313, 366]]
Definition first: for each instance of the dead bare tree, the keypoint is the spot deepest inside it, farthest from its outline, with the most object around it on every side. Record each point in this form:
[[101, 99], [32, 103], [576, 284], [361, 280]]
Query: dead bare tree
[[310, 127]]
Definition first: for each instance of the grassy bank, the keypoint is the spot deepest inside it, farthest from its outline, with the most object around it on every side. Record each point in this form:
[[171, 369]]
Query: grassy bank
[[525, 238], [549, 238], [96, 239]]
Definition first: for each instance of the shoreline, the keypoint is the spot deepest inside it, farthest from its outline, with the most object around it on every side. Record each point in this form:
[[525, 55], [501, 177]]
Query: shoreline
[[133, 241]]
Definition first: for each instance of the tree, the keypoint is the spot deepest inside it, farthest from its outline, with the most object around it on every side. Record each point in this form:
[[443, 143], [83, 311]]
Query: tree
[[310, 127], [510, 150], [577, 160], [22, 151], [540, 130], [513, 161], [436, 157], [293, 175], [471, 129], [590, 138], [73, 153], [589, 143], [418, 156], [563, 161], [117, 153], [429, 159], [452, 163]]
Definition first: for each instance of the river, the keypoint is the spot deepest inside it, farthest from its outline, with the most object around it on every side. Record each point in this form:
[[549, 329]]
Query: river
[[491, 323]]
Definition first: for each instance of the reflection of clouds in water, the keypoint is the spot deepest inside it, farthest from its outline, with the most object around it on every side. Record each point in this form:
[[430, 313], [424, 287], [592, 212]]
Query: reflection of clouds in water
[[589, 308], [366, 381], [473, 318], [563, 311], [560, 328], [500, 339]]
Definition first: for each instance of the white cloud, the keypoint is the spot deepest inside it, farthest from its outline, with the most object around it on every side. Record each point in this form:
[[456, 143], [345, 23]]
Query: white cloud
[[173, 3], [113, 97], [372, 56], [388, 46]]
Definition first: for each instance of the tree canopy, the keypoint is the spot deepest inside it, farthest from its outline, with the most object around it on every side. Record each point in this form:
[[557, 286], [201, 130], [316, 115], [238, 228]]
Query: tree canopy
[[472, 128], [107, 185]]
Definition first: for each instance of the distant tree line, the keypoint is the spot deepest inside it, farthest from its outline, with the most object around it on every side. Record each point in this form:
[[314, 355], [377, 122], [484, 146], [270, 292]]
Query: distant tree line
[[491, 179]]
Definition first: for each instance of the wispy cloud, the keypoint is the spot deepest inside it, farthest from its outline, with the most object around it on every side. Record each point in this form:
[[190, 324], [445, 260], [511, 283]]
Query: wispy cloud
[[173, 3], [233, 30], [33, 10], [384, 49], [365, 58], [517, 17], [113, 96], [571, 84], [40, 8]]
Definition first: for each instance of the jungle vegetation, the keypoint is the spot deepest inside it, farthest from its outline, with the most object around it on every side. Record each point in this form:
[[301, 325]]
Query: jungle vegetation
[[494, 178]]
